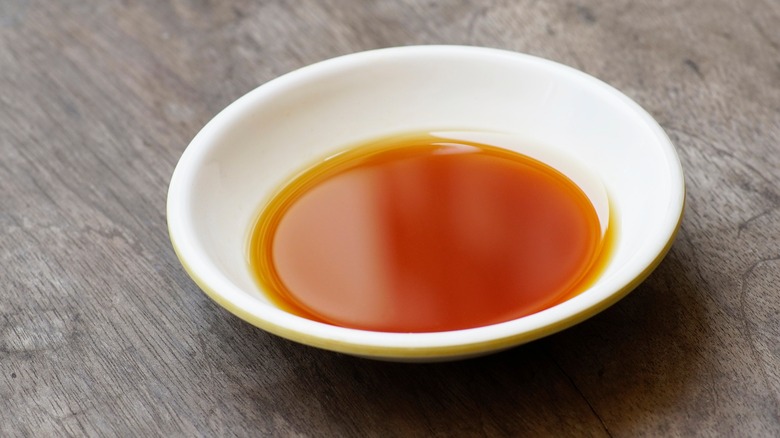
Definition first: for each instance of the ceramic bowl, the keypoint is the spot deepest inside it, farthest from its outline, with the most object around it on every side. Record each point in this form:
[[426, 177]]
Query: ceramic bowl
[[256, 144]]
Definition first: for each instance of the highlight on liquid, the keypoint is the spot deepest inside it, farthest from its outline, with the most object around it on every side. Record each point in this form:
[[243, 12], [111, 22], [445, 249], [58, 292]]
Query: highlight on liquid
[[420, 234]]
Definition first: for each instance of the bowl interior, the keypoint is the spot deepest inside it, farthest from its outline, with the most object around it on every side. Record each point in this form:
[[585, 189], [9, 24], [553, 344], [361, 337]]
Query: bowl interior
[[239, 160]]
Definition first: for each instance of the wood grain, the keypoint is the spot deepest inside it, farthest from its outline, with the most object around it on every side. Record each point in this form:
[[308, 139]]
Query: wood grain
[[103, 334]]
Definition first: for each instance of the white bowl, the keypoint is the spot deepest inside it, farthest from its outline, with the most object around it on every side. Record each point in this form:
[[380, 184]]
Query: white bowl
[[242, 156]]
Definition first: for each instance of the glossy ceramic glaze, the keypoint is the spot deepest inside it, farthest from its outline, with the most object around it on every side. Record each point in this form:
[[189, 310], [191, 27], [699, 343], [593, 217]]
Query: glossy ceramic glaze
[[240, 158]]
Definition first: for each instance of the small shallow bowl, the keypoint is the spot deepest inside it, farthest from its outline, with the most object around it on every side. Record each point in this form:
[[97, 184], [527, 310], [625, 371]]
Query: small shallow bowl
[[242, 156]]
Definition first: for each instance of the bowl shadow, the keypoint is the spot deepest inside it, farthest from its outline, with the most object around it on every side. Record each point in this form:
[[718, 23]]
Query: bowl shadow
[[621, 371]]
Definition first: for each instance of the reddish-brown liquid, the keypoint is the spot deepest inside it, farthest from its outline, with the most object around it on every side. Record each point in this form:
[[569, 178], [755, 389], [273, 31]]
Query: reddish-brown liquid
[[420, 234]]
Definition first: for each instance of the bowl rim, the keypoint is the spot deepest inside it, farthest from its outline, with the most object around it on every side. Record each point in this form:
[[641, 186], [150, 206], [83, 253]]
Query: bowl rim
[[405, 346]]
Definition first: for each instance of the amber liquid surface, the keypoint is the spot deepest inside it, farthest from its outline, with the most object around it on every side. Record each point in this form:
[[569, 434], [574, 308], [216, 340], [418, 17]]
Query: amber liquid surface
[[421, 234]]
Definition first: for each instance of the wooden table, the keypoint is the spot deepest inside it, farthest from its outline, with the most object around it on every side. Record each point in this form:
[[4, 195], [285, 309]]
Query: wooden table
[[102, 333]]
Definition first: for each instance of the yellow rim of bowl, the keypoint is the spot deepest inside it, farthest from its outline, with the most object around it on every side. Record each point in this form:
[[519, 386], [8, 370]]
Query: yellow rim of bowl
[[443, 352]]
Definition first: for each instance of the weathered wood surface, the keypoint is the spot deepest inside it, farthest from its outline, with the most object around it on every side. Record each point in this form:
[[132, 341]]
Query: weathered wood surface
[[102, 333]]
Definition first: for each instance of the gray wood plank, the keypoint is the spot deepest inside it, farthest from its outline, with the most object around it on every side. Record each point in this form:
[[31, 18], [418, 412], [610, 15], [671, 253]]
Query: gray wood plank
[[103, 334]]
